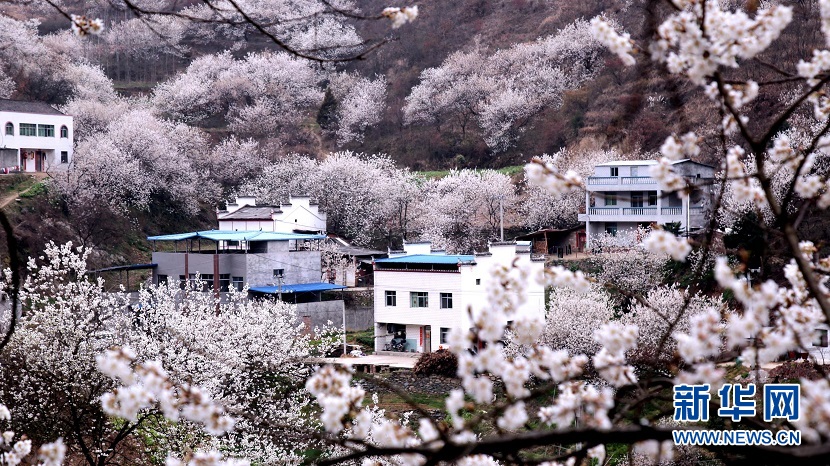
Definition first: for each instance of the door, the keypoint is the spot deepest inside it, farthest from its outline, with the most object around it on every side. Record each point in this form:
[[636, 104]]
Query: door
[[39, 161], [427, 339]]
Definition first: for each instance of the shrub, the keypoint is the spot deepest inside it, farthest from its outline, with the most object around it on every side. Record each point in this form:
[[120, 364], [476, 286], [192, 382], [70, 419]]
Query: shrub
[[441, 362], [792, 371]]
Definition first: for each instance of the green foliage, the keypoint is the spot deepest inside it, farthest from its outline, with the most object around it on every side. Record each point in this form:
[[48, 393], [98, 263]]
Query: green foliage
[[674, 228], [441, 362], [38, 189], [365, 338]]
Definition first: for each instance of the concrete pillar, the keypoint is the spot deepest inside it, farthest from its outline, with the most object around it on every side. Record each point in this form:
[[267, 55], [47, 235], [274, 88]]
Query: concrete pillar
[[660, 207]]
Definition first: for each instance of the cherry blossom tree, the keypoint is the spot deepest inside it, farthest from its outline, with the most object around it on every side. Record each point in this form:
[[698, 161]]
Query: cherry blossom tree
[[502, 93], [360, 104], [68, 321], [139, 158], [461, 211], [262, 95]]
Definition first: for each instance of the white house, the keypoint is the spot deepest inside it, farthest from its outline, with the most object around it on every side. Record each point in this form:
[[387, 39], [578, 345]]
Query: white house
[[622, 196], [299, 215], [421, 294], [35, 137]]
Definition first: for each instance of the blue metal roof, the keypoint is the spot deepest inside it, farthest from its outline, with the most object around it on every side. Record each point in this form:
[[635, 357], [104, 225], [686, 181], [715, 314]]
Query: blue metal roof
[[446, 259], [296, 288], [225, 235]]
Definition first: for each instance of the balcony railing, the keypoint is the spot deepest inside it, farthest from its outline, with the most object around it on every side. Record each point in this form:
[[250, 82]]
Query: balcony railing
[[603, 180], [615, 180], [604, 211], [671, 210], [639, 211], [637, 180]]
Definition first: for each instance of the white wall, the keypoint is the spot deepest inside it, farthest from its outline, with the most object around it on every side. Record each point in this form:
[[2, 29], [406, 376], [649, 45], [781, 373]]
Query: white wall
[[51, 145], [299, 215], [463, 286], [246, 225]]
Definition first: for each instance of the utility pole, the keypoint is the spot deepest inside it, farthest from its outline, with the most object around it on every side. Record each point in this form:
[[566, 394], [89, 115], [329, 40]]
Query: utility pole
[[501, 217]]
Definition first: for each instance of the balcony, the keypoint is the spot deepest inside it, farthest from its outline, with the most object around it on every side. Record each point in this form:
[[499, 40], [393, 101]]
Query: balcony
[[639, 214], [622, 183]]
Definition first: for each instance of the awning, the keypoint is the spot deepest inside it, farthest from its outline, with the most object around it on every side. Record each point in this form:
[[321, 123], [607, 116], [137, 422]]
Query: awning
[[225, 235], [296, 288]]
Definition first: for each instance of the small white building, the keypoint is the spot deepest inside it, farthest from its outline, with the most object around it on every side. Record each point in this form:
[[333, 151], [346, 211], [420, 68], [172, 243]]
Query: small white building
[[622, 196], [299, 215], [35, 137], [420, 294]]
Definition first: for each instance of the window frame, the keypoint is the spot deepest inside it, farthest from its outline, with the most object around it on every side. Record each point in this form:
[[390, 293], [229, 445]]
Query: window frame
[[29, 128], [615, 171], [391, 294], [418, 299], [45, 131], [9, 131], [64, 156], [64, 132], [611, 228], [445, 300], [238, 283], [610, 198], [444, 335]]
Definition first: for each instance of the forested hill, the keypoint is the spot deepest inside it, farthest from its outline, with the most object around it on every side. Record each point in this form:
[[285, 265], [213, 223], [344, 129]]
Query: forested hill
[[494, 103]]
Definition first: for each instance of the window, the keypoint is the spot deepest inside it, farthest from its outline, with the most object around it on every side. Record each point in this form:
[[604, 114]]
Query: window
[[46, 131], [611, 228], [635, 171], [28, 129], [445, 334], [9, 129], [224, 281], [821, 338], [652, 198], [637, 199], [238, 283], [446, 300], [391, 298], [64, 131], [182, 281], [610, 198], [615, 171], [64, 156], [279, 273], [162, 279], [418, 299], [478, 281]]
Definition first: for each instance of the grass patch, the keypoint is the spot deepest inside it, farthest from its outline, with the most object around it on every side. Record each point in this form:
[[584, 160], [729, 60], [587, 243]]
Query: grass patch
[[365, 338], [423, 400], [38, 189], [437, 174]]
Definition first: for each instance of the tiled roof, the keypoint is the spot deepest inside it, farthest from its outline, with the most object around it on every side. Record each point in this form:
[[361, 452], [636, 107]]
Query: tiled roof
[[22, 106], [251, 213]]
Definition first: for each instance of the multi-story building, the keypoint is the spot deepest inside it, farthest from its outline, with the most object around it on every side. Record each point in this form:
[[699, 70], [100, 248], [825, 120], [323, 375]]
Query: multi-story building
[[35, 137], [622, 196], [420, 294]]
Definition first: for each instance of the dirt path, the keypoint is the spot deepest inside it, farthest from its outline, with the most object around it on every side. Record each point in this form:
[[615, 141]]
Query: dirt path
[[9, 198]]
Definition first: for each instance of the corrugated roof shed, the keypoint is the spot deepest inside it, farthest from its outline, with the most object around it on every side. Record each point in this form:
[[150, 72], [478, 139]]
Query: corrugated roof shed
[[22, 106], [297, 288]]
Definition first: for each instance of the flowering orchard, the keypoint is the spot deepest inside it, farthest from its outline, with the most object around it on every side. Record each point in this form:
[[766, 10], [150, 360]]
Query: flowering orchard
[[200, 368], [584, 402]]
